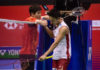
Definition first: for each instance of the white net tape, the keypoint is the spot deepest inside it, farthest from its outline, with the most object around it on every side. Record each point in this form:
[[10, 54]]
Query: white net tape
[[16, 21]]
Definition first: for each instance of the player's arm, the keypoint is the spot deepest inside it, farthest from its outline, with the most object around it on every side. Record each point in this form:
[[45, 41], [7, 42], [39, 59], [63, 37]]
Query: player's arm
[[44, 23], [45, 17], [49, 31], [60, 36]]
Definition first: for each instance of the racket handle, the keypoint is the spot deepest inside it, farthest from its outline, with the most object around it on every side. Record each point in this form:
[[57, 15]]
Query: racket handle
[[49, 57]]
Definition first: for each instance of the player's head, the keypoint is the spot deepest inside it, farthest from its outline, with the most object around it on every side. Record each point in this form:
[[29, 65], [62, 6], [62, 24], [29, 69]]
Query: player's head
[[55, 16], [35, 10]]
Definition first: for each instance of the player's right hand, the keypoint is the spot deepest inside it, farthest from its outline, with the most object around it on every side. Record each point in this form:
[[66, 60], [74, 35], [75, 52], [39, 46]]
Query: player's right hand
[[43, 57]]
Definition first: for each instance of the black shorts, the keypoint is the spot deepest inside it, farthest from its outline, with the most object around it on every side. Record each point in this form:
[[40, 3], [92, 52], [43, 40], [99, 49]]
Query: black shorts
[[27, 62], [24, 57]]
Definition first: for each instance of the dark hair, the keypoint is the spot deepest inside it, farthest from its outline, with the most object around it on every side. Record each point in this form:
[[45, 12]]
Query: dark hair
[[54, 13], [34, 8]]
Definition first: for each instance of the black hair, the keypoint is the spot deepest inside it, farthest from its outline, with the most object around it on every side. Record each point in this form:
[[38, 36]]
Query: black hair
[[54, 13], [34, 8]]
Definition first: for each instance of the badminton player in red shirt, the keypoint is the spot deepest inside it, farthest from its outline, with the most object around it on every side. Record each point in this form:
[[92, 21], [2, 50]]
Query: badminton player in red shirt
[[30, 39]]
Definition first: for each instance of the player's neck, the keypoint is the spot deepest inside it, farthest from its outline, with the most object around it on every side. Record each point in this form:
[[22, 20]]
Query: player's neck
[[57, 24], [32, 15]]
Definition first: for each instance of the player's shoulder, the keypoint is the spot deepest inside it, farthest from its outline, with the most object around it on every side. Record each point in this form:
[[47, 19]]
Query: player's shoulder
[[63, 28], [30, 19]]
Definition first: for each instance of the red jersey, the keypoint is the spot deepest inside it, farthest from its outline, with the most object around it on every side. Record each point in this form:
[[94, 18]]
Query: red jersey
[[30, 38]]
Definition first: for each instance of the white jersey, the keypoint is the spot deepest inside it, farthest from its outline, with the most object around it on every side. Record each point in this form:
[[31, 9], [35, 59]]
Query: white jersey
[[63, 49]]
